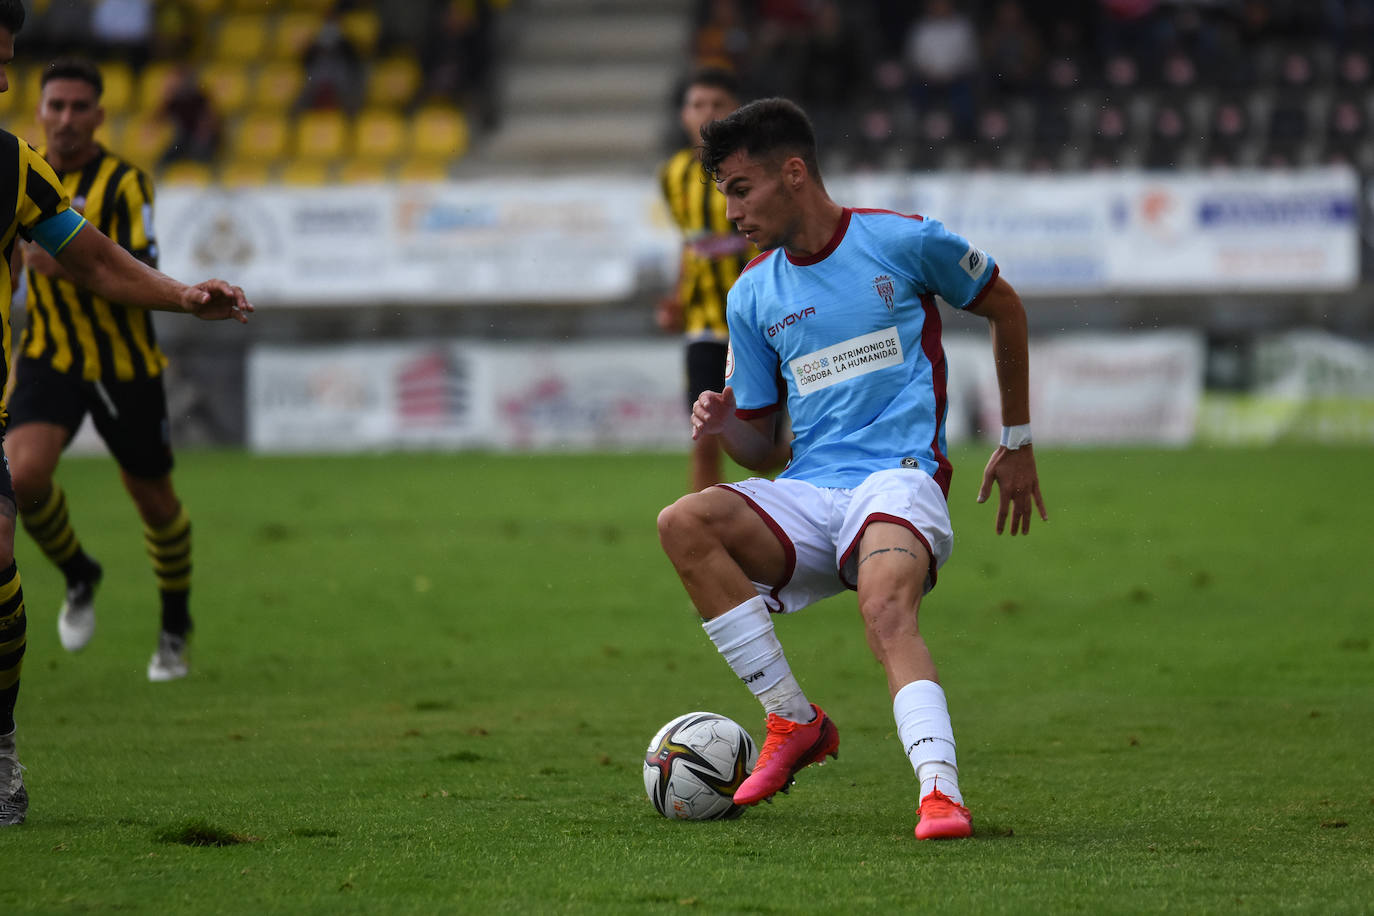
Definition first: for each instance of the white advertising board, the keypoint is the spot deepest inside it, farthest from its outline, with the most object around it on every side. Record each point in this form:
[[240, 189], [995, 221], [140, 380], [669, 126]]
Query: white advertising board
[[526, 241], [604, 395], [598, 239], [1089, 389], [1143, 231], [628, 395]]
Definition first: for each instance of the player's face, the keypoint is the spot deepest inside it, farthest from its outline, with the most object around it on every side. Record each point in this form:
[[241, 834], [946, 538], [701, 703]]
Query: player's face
[[757, 200], [6, 55], [702, 105], [70, 112]]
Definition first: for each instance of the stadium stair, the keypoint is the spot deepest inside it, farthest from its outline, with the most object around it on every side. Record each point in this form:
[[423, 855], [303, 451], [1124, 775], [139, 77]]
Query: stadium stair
[[587, 86]]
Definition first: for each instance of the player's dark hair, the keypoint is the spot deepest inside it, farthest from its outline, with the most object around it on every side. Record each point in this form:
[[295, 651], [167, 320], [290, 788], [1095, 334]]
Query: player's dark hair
[[714, 78], [766, 129], [12, 15], [73, 68]]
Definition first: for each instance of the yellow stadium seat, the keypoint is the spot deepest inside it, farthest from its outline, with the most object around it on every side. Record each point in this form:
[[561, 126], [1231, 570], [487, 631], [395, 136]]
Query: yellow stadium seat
[[364, 171], [186, 173], [422, 168], [23, 126], [245, 173], [152, 86], [241, 37], [319, 135], [438, 131], [143, 140], [12, 102], [278, 85], [108, 131], [362, 26], [302, 172], [259, 136], [293, 34], [393, 81], [119, 93], [24, 91], [227, 84], [378, 134]]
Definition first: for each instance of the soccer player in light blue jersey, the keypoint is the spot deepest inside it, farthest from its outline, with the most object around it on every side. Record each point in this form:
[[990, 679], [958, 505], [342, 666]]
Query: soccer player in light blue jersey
[[841, 309]]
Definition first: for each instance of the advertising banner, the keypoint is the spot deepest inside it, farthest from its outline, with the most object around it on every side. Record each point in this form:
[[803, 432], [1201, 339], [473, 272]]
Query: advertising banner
[[628, 395], [1090, 388], [605, 395], [597, 239]]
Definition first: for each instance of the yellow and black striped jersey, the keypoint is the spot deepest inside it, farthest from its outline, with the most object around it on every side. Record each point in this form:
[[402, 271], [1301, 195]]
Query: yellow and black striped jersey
[[73, 329], [30, 194], [713, 253]]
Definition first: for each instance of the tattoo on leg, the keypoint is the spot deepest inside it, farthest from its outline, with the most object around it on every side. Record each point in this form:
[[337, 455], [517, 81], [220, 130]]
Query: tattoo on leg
[[873, 553]]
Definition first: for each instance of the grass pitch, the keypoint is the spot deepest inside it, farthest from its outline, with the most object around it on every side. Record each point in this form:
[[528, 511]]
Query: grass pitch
[[424, 684]]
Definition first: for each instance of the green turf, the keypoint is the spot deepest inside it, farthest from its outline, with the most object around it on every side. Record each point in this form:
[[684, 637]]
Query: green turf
[[424, 684]]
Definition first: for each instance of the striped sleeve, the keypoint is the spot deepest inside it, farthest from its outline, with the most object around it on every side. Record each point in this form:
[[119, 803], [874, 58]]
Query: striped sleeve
[[43, 209], [42, 196], [133, 209]]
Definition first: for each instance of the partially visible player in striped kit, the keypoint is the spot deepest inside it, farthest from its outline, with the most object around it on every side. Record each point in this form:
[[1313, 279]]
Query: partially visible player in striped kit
[[82, 354], [713, 254], [34, 206]]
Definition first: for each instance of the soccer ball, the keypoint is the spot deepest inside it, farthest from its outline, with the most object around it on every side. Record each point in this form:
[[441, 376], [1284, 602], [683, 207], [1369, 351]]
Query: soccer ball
[[694, 765]]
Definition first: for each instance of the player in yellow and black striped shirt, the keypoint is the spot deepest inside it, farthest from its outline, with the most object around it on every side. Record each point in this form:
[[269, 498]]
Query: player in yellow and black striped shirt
[[82, 354], [34, 206], [713, 254]]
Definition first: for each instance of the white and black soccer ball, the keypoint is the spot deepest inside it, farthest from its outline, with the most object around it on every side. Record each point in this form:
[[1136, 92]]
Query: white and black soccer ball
[[694, 765]]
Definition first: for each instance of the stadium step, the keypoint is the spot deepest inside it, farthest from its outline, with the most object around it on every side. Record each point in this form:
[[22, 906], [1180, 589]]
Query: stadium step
[[644, 36], [566, 87], [587, 85]]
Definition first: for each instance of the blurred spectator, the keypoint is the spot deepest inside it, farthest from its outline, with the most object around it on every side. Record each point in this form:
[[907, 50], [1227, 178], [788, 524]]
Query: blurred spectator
[[942, 57], [1011, 49], [406, 25], [722, 37], [832, 76], [334, 76], [196, 126], [123, 29], [457, 58]]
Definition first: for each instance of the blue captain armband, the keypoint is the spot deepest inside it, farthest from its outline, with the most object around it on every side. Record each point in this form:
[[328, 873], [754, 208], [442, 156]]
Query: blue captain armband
[[55, 232]]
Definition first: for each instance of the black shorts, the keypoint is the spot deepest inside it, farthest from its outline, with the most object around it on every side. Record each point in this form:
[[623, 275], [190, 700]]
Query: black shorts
[[705, 368], [130, 416]]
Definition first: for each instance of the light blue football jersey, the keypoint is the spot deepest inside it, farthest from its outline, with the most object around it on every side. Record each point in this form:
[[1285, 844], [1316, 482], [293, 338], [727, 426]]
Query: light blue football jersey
[[854, 334]]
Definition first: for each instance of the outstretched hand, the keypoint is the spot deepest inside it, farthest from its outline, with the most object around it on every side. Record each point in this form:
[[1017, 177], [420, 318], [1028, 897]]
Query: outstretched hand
[[711, 411], [1017, 484], [215, 300]]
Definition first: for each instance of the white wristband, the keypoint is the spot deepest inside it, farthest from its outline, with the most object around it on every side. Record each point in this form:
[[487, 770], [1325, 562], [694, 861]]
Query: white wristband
[[1013, 437]]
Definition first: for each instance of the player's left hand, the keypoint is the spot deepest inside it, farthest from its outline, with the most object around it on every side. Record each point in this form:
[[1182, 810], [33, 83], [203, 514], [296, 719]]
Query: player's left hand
[[215, 300], [1017, 484]]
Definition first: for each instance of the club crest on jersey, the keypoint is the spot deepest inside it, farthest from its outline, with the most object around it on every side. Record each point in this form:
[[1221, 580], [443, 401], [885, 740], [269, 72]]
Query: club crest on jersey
[[884, 287]]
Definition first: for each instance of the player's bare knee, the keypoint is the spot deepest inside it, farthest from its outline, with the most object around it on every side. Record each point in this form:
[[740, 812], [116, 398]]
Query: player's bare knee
[[32, 483], [886, 618], [673, 521]]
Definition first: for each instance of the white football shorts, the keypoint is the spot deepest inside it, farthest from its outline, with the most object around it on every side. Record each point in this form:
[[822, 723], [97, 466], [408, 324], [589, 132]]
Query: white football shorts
[[819, 528]]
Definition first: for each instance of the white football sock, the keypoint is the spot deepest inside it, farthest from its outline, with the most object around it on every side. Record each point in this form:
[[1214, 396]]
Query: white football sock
[[744, 635], [926, 733]]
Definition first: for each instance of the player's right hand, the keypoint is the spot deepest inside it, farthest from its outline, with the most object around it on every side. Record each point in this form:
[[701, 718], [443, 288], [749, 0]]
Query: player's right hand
[[216, 300], [711, 411]]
